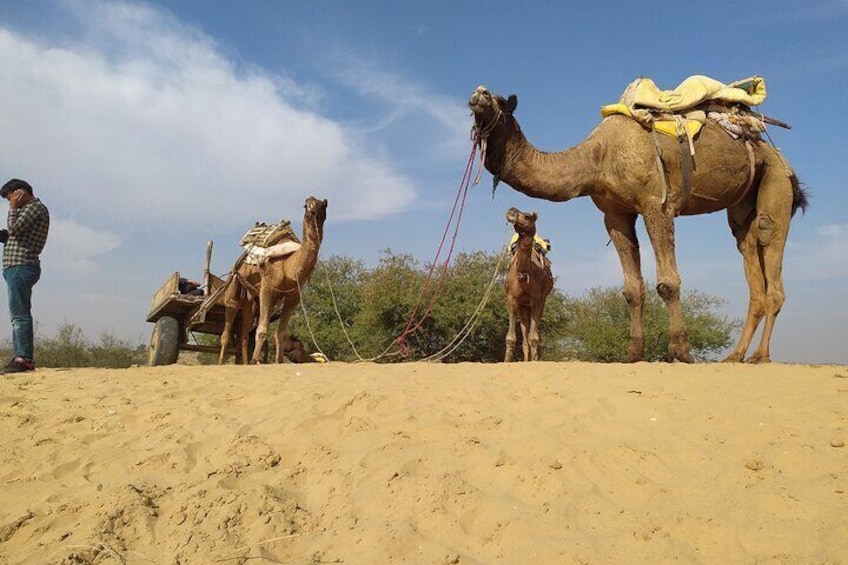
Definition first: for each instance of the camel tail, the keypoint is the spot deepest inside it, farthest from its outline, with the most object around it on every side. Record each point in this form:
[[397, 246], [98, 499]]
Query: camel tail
[[800, 195]]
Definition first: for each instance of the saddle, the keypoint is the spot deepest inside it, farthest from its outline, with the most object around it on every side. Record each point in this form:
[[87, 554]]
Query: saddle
[[265, 235], [263, 242], [541, 247], [684, 110]]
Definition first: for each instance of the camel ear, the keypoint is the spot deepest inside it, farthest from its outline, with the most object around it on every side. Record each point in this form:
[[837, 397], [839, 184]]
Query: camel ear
[[325, 203], [535, 216], [511, 103]]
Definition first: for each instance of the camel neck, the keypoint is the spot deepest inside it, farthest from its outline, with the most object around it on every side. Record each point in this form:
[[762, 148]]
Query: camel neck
[[307, 256], [551, 176], [312, 235], [524, 251]]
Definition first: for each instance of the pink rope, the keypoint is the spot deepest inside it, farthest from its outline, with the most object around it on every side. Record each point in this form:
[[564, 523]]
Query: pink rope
[[459, 200]]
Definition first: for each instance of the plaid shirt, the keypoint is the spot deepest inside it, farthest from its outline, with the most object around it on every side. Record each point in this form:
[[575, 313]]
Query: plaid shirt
[[28, 228]]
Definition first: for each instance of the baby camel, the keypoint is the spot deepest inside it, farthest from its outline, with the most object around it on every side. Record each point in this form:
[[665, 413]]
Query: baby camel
[[528, 283]]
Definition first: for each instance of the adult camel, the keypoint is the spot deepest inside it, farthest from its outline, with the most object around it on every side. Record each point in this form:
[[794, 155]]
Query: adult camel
[[276, 286], [527, 284], [616, 167]]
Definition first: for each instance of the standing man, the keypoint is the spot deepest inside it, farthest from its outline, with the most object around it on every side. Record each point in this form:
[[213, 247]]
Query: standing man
[[28, 222]]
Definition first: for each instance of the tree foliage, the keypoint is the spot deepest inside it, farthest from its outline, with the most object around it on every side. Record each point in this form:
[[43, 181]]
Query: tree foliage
[[455, 313], [69, 347], [599, 326]]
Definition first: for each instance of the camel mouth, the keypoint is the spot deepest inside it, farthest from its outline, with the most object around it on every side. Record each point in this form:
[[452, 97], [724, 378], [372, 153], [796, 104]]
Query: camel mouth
[[512, 215], [480, 100]]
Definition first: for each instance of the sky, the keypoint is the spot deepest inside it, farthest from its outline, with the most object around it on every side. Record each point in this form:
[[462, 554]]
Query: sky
[[150, 128]]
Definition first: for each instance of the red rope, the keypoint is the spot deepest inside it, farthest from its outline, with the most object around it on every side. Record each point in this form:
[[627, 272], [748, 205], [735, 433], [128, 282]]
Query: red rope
[[462, 192]]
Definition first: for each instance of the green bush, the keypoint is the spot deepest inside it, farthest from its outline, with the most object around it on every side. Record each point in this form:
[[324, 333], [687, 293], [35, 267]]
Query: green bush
[[70, 348], [598, 326], [459, 310]]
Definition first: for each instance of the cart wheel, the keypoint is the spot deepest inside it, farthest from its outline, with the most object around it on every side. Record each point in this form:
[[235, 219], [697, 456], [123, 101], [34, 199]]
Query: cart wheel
[[165, 342]]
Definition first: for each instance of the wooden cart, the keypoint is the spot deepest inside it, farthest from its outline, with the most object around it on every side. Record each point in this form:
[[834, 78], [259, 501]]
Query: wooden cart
[[176, 316]]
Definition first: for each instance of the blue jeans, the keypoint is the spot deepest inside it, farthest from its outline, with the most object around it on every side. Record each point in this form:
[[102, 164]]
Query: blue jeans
[[19, 281]]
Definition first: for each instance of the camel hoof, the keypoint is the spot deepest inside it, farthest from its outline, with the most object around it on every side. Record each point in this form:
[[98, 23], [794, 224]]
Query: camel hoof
[[757, 359], [636, 352], [684, 357], [733, 358]]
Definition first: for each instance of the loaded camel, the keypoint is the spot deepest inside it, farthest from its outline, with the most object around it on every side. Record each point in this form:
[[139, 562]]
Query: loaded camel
[[528, 283], [616, 167], [275, 285]]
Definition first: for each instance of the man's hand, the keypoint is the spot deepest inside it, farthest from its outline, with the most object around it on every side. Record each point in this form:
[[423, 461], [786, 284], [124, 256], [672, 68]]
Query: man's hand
[[19, 198]]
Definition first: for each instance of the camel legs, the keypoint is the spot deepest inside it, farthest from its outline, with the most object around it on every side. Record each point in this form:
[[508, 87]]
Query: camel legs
[[761, 238], [289, 306], [266, 303], [741, 221], [232, 298], [661, 231], [621, 228], [248, 316], [524, 321], [536, 312], [511, 308]]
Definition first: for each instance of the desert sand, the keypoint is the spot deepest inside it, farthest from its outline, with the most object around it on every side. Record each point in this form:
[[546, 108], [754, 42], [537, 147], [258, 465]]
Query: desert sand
[[426, 463]]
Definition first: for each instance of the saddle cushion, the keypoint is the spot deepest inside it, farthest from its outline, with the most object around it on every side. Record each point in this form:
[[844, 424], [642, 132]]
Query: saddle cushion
[[539, 244], [643, 92], [257, 255], [672, 127], [264, 235]]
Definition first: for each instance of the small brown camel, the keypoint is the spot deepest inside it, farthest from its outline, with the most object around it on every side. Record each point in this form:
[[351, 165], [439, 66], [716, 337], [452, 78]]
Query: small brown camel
[[276, 285], [528, 283], [616, 167]]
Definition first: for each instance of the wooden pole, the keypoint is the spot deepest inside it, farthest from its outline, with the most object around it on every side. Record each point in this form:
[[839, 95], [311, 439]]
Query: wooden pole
[[207, 279], [774, 122]]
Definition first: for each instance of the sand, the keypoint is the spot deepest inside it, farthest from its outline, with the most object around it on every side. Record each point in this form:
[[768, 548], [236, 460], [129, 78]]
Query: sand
[[426, 463]]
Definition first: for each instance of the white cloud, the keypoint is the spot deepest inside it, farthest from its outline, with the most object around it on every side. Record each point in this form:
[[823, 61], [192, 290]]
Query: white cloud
[[409, 101], [833, 231], [142, 121], [72, 248]]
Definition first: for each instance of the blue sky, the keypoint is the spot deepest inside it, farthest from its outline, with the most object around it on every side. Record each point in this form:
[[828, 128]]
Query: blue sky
[[149, 128]]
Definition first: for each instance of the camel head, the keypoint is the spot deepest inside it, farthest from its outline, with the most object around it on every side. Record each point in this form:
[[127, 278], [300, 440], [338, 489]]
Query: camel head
[[524, 223], [314, 216], [316, 210], [493, 124], [490, 110]]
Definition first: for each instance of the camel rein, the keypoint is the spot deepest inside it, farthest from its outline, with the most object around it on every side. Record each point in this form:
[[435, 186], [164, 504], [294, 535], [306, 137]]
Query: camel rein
[[457, 211]]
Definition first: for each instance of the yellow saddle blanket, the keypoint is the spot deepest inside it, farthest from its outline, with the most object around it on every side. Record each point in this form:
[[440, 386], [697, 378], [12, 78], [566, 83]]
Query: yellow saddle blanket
[[539, 244], [541, 247], [644, 93], [678, 127], [642, 100]]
